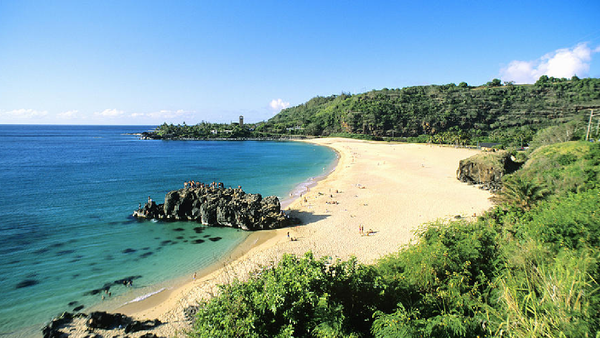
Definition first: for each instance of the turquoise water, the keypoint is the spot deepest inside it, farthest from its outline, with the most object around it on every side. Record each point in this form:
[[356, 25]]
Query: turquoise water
[[67, 196]]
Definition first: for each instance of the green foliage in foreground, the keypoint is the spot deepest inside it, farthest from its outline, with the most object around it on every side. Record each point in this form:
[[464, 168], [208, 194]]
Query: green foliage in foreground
[[442, 285], [300, 297], [519, 271]]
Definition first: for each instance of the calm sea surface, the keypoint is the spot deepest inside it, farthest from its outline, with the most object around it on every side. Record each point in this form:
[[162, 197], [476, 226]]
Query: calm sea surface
[[67, 193]]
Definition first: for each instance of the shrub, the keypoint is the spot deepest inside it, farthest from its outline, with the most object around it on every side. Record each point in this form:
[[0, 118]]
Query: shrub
[[442, 284], [299, 297]]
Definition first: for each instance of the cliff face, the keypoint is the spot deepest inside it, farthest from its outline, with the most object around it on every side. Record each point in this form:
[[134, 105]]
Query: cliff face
[[486, 169], [218, 207]]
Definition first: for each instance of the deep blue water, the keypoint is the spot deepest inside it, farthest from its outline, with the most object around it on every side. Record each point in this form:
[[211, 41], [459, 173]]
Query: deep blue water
[[67, 193]]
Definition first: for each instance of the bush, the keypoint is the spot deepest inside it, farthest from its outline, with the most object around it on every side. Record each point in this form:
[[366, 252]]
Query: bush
[[573, 222], [299, 297], [556, 297], [442, 284]]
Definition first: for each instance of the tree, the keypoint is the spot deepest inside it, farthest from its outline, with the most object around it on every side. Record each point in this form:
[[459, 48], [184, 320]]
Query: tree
[[494, 83], [520, 192], [542, 81]]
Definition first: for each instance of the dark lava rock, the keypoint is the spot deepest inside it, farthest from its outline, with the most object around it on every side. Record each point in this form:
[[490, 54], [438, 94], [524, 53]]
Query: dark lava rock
[[52, 330], [106, 321], [136, 326], [190, 313], [214, 206], [149, 335]]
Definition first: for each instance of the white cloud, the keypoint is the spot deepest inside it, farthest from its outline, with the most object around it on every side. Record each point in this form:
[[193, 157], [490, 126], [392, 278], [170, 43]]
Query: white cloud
[[278, 105], [110, 113], [25, 114], [165, 114], [561, 63], [68, 115]]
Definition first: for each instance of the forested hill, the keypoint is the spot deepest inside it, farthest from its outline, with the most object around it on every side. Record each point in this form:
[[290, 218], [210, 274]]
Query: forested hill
[[494, 111]]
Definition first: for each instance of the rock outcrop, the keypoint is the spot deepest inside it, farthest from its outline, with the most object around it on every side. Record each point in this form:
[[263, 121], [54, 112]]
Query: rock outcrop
[[486, 169], [218, 206], [98, 320]]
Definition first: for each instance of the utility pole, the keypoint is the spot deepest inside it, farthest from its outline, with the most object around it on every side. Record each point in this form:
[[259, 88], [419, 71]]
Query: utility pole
[[589, 128], [587, 134]]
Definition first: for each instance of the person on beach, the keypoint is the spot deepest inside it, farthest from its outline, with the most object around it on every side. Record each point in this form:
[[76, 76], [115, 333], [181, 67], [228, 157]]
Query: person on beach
[[185, 185], [194, 276]]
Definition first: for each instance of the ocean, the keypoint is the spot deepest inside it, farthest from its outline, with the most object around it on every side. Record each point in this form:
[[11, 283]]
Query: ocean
[[67, 195]]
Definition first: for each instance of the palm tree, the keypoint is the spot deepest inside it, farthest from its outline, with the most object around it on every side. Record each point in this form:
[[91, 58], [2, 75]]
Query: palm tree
[[520, 192]]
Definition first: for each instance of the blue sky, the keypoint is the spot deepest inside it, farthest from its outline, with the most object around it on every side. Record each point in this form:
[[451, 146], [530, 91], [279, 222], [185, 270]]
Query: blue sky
[[148, 62]]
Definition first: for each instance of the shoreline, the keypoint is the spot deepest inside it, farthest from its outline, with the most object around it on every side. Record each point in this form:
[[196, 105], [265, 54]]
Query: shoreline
[[254, 239], [389, 188]]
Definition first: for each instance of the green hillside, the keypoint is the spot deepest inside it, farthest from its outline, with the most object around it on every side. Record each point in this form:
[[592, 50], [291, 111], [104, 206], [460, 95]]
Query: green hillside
[[444, 113]]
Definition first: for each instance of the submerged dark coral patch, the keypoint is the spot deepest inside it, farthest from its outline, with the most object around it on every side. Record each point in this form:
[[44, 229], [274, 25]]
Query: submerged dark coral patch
[[146, 254], [93, 292], [216, 239], [198, 241], [129, 250], [179, 229], [26, 283], [198, 229]]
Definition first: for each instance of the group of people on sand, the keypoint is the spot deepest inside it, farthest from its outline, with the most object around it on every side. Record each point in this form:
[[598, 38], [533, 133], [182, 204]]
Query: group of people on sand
[[292, 239], [361, 231]]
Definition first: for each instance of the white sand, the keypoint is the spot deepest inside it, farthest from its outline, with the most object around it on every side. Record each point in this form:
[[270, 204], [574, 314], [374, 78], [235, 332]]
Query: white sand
[[388, 188]]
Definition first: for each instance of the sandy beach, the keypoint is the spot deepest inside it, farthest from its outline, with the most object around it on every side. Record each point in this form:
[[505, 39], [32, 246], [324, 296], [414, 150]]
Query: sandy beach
[[389, 189]]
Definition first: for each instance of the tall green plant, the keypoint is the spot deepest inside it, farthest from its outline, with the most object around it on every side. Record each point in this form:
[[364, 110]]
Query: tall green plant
[[549, 298], [520, 192]]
